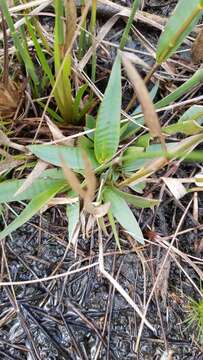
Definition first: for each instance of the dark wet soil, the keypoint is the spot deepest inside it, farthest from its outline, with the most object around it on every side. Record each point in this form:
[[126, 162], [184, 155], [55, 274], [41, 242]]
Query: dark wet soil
[[81, 316]]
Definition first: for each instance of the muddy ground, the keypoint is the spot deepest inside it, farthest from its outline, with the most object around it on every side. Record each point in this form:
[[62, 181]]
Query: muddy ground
[[81, 316]]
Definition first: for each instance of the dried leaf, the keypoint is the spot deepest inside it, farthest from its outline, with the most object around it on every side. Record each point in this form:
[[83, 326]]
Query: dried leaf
[[137, 60], [4, 140], [199, 247], [72, 179], [9, 164], [175, 186], [88, 194], [90, 180], [150, 115], [162, 283], [197, 48], [71, 22], [57, 134], [36, 172], [10, 97]]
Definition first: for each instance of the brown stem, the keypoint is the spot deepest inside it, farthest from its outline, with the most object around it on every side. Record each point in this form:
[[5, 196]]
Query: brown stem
[[146, 80]]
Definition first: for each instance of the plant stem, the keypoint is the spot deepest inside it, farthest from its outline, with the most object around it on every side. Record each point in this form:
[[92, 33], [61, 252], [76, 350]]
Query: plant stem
[[124, 38]]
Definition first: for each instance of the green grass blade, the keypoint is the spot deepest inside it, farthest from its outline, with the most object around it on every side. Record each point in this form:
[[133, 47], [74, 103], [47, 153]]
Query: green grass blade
[[113, 226], [189, 123], [195, 80], [24, 54], [125, 35], [73, 213], [137, 201], [180, 24], [42, 59], [121, 211], [32, 208], [9, 188], [107, 133]]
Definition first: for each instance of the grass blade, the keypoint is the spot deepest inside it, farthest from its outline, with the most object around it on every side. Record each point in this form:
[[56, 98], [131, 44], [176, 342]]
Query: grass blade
[[18, 43], [32, 208], [180, 24], [106, 138], [121, 211]]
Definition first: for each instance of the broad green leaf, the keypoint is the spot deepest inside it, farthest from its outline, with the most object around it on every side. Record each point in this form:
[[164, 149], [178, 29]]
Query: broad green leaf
[[121, 211], [137, 201], [180, 24], [73, 213], [131, 160], [189, 123], [135, 158], [195, 80], [72, 156], [107, 133], [32, 208], [49, 177], [138, 187]]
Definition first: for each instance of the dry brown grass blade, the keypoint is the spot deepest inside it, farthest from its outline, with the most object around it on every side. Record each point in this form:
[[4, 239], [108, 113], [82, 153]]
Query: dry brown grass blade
[[10, 97], [72, 180], [10, 92], [88, 194], [9, 164], [197, 48], [90, 181], [4, 140], [116, 285], [185, 147], [36, 172], [71, 22], [57, 133], [162, 283], [150, 115]]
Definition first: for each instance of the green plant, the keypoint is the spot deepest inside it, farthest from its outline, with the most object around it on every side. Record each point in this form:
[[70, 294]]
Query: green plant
[[116, 170], [195, 318], [60, 76]]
